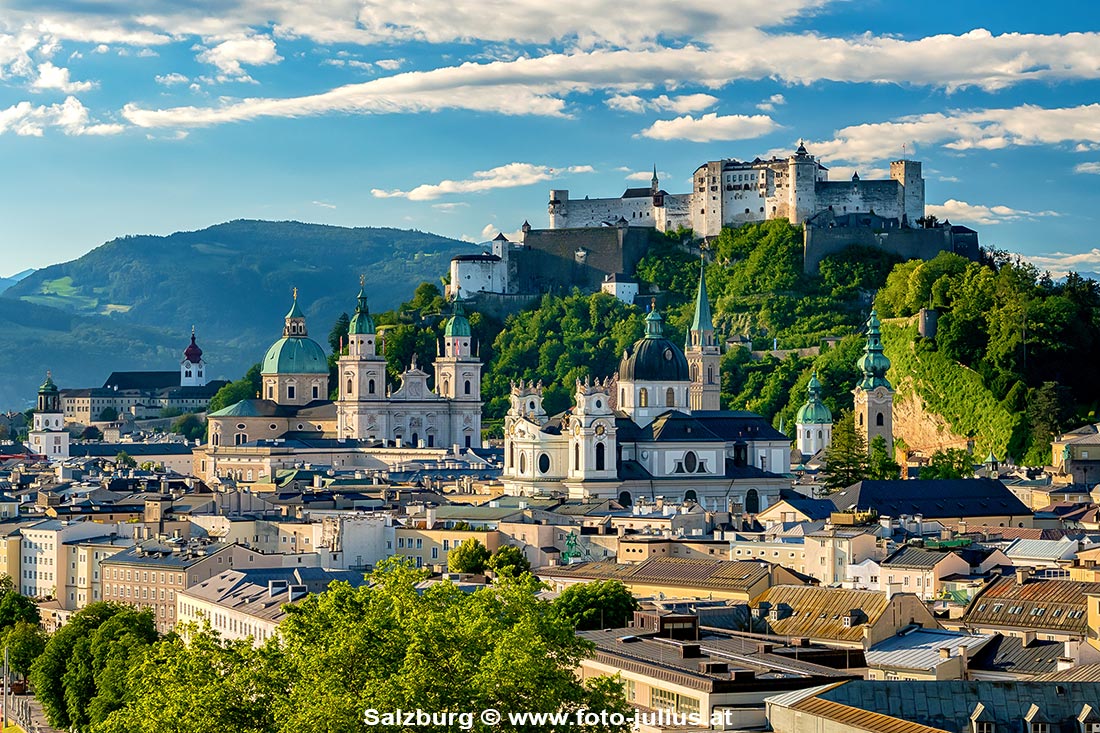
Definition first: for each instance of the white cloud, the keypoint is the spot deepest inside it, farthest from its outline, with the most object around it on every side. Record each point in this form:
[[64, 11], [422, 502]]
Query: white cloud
[[490, 231], [390, 64], [681, 104], [711, 127], [228, 55], [772, 102], [957, 211], [1060, 264], [171, 78], [511, 175], [451, 206], [1090, 167], [70, 116], [646, 176], [324, 205], [57, 77], [961, 130]]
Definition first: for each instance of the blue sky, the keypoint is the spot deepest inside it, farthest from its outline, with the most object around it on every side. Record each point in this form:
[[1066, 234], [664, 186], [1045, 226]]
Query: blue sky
[[457, 117]]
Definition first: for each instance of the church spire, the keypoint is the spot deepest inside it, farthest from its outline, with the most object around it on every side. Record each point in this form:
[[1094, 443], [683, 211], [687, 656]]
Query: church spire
[[873, 364], [702, 320], [295, 320]]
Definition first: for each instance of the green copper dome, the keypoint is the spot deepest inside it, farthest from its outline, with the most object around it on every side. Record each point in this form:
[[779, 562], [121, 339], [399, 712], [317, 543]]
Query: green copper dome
[[814, 412], [457, 325], [873, 364], [361, 322], [48, 387], [290, 355]]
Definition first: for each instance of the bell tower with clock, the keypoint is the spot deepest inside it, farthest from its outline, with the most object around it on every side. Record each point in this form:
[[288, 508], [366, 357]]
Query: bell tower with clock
[[593, 451], [458, 378]]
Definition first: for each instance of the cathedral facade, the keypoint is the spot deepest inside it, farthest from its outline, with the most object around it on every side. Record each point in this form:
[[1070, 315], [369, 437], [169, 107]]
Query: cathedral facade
[[651, 430]]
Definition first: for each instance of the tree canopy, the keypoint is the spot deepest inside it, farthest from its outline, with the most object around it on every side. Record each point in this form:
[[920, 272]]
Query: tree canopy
[[469, 557], [846, 457], [601, 604]]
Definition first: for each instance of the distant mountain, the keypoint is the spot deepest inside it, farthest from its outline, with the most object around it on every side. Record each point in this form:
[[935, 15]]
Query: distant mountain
[[7, 282], [135, 298]]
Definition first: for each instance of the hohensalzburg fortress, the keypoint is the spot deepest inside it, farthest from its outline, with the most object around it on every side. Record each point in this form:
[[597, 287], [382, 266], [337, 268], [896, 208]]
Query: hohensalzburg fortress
[[729, 193]]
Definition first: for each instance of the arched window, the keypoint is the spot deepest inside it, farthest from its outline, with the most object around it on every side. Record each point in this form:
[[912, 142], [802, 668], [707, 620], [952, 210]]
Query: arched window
[[752, 501], [601, 460], [690, 495], [819, 435], [216, 439], [807, 433], [670, 397], [523, 463], [350, 389], [576, 456], [446, 386], [370, 387], [467, 387], [511, 455], [643, 397], [695, 372], [879, 420], [625, 499], [622, 396], [710, 374], [415, 440]]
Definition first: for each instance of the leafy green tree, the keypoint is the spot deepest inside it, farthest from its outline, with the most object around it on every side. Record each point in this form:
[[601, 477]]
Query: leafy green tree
[[339, 333], [125, 460], [469, 557], [509, 560], [881, 466], [108, 414], [244, 388], [25, 642], [15, 607], [601, 604], [951, 463], [846, 457], [189, 426], [91, 433]]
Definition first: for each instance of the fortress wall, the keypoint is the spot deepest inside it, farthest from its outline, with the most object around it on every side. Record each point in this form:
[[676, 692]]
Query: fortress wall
[[596, 212], [549, 259], [884, 197], [908, 244]]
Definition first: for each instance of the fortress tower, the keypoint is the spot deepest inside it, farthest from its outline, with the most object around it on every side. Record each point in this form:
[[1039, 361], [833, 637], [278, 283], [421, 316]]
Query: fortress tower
[[908, 174], [802, 185]]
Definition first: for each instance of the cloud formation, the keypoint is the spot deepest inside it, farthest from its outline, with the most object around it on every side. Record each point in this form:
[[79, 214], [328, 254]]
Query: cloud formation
[[961, 211], [1090, 167], [56, 77], [228, 55], [711, 127], [70, 116], [681, 104], [1060, 264], [504, 176]]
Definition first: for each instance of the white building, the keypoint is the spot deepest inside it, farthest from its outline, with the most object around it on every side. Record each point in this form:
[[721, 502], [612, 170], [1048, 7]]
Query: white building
[[48, 558], [48, 436]]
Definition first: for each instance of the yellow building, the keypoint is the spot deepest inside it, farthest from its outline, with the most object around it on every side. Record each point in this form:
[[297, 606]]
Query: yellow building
[[430, 547]]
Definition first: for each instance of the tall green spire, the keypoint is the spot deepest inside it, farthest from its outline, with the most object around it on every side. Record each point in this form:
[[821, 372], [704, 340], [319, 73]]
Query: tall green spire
[[873, 364], [653, 322], [361, 321], [702, 320]]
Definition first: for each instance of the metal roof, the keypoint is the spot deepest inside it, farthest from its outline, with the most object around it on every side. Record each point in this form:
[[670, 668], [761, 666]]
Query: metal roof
[[818, 613], [920, 649], [1054, 605], [915, 557], [706, 574]]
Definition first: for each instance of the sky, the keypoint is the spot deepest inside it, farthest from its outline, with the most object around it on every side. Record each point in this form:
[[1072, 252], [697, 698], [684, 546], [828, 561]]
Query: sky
[[456, 117]]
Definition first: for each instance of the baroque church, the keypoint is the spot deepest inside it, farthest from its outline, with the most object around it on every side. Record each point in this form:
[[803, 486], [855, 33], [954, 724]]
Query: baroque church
[[294, 409], [653, 429]]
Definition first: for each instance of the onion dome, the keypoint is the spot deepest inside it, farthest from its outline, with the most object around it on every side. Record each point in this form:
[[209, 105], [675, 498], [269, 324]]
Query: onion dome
[[361, 321], [814, 412], [193, 353], [457, 325], [653, 358], [48, 387], [873, 364], [295, 352]]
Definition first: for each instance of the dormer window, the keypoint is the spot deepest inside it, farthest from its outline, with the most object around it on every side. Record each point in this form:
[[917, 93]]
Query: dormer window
[[1037, 727], [847, 622], [984, 726]]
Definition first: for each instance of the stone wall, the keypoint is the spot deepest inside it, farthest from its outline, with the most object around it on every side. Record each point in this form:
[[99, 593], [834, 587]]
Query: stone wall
[[909, 244]]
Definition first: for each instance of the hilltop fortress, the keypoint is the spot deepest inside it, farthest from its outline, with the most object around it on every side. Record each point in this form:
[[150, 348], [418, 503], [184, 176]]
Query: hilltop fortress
[[597, 242]]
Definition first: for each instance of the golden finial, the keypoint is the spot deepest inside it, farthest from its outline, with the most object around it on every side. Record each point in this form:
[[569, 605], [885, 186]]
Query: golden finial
[[362, 280], [296, 293]]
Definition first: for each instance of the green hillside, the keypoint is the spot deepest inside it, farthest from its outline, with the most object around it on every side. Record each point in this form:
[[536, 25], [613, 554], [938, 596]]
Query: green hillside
[[141, 295]]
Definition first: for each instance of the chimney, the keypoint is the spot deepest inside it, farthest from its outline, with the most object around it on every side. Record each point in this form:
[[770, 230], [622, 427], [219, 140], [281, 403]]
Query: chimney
[[294, 592], [1022, 574], [275, 587], [1065, 663], [945, 652]]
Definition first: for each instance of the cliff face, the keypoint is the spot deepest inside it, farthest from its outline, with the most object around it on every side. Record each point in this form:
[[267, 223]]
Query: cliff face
[[920, 429]]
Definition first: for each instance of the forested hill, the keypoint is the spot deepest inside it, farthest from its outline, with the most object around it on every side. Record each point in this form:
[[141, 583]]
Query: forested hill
[[1009, 367], [136, 297]]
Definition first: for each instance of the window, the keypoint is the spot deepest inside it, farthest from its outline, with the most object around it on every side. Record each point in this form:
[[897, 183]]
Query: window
[[643, 397], [670, 397], [576, 456], [879, 420], [290, 391], [349, 390], [691, 462], [984, 726], [466, 387], [370, 386], [600, 457], [544, 463], [316, 392], [523, 463]]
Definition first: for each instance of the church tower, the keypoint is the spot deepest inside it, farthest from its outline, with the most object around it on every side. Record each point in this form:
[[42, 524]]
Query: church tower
[[362, 379], [814, 422], [874, 397], [48, 436], [458, 378], [192, 368], [593, 451], [703, 355]]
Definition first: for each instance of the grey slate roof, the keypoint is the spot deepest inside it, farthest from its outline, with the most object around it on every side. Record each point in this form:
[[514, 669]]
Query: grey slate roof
[[934, 499], [920, 649], [1009, 654], [914, 557]]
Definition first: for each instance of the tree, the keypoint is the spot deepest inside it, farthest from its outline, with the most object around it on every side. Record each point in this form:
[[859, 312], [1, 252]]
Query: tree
[[469, 557], [91, 433], [509, 560], [25, 642], [949, 464], [846, 456], [245, 388], [189, 426], [601, 604], [881, 466], [339, 333], [108, 414], [15, 607], [125, 460]]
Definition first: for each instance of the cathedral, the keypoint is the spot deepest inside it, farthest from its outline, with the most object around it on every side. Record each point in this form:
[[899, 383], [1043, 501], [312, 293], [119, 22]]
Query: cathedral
[[654, 429], [294, 409]]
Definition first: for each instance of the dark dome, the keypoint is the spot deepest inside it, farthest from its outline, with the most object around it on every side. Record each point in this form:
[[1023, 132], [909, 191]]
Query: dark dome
[[653, 358], [193, 353]]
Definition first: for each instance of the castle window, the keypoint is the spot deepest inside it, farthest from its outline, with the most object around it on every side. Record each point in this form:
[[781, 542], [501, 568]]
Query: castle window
[[807, 433], [187, 373], [600, 457], [370, 387], [270, 392], [710, 374], [670, 397], [643, 397], [316, 392], [879, 420], [467, 386], [819, 435], [694, 369]]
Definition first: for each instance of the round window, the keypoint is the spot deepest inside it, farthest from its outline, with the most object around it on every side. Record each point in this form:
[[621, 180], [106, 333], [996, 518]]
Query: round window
[[668, 354], [544, 463], [240, 426], [273, 426], [691, 463], [599, 404]]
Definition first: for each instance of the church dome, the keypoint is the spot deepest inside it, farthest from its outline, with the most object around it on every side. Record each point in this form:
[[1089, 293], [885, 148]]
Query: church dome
[[48, 387], [193, 353], [361, 322], [457, 324], [814, 411], [290, 355], [653, 358]]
